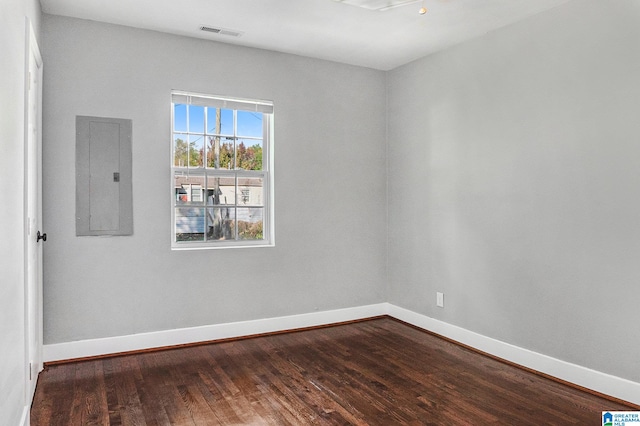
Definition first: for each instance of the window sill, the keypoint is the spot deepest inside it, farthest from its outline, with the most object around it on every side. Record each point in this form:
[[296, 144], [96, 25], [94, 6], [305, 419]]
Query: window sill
[[218, 246]]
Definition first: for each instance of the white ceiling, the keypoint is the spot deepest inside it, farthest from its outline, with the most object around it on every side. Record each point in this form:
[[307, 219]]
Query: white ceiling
[[323, 29]]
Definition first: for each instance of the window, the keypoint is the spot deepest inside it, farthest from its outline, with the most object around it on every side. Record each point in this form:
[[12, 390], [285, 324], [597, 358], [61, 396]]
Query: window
[[221, 172]]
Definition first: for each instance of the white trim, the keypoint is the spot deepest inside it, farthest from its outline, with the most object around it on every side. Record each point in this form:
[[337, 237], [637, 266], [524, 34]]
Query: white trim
[[25, 419], [591, 379], [133, 342], [576, 374], [32, 314]]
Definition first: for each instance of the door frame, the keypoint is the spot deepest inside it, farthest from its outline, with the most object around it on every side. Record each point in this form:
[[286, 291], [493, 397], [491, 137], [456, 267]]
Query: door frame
[[33, 325]]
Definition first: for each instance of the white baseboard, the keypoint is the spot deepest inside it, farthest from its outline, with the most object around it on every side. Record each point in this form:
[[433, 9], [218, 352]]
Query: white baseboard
[[157, 339], [576, 374], [591, 379]]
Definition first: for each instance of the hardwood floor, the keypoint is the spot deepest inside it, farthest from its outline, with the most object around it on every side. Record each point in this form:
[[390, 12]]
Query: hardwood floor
[[377, 372]]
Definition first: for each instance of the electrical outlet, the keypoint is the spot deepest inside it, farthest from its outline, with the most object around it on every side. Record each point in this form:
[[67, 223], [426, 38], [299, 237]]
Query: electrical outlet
[[440, 299]]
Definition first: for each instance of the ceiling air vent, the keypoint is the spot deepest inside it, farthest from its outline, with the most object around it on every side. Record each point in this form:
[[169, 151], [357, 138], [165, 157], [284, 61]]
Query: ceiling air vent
[[221, 31]]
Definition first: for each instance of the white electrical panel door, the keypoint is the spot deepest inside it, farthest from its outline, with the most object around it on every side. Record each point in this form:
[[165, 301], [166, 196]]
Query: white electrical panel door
[[103, 176]]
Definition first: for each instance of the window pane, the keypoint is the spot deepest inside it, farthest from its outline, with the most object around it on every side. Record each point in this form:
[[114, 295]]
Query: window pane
[[190, 224], [180, 118], [196, 150], [250, 191], [220, 153], [220, 121], [220, 223], [180, 150], [250, 224], [188, 189], [221, 190], [213, 152], [249, 154], [250, 124], [196, 119]]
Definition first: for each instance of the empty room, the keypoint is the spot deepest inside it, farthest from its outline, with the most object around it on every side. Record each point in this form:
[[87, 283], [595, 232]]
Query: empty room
[[367, 212]]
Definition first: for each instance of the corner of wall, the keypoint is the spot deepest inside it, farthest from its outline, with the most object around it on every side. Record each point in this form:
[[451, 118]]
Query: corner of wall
[[386, 189]]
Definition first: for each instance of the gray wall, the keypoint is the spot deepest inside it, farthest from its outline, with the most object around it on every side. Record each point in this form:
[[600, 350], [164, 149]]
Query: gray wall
[[514, 185], [329, 178], [12, 149]]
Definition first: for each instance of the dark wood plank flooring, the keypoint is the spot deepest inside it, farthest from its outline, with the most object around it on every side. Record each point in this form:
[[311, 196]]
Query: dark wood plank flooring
[[377, 372]]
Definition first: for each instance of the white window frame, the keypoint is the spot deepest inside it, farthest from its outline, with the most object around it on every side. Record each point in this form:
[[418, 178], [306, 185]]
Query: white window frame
[[235, 104]]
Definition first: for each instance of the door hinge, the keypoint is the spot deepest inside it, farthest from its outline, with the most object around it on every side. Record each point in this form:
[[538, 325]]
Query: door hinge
[[30, 372]]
